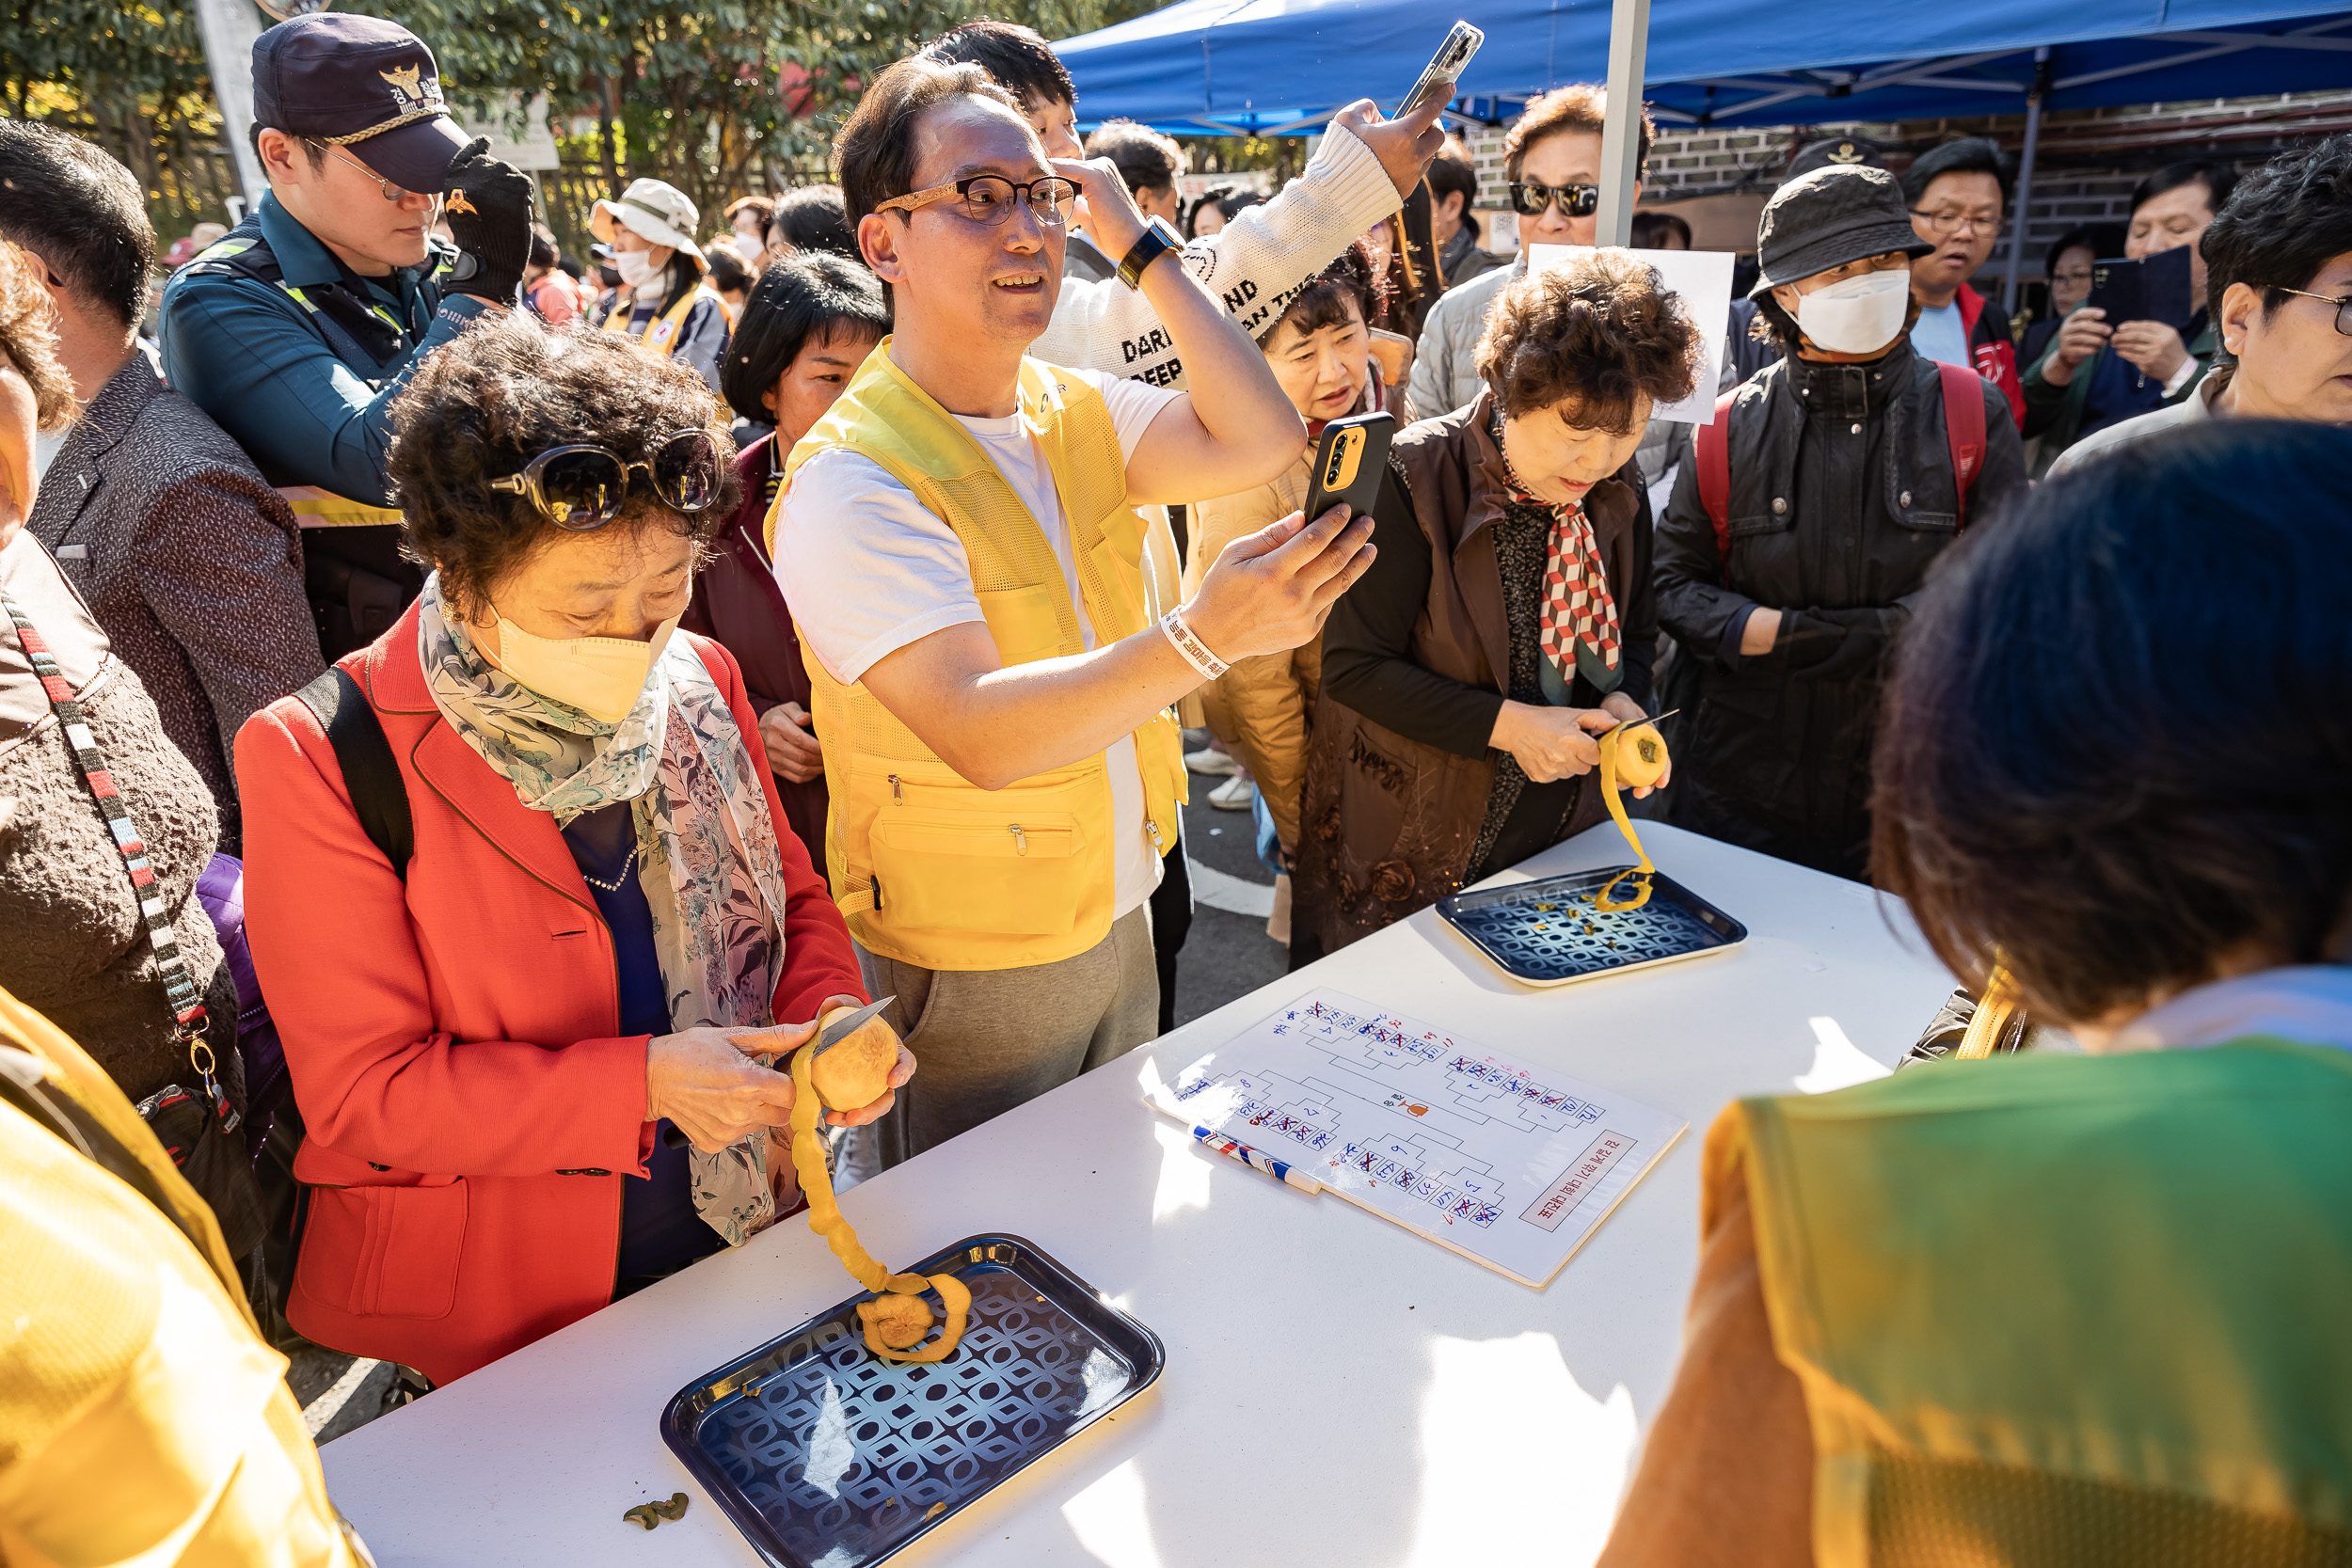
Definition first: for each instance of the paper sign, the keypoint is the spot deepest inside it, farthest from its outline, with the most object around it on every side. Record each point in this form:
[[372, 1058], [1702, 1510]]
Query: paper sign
[[1509, 1165], [1703, 278]]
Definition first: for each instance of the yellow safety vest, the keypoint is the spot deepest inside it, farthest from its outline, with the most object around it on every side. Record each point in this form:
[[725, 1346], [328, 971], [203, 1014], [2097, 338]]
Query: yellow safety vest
[[927, 867], [2058, 1308], [317, 507], [661, 334]]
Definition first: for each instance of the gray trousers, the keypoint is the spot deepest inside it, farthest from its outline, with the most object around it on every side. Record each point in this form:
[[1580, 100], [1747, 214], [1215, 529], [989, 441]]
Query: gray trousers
[[987, 1041]]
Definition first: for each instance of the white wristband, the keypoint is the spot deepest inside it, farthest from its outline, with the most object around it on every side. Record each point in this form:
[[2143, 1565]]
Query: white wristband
[[1189, 644]]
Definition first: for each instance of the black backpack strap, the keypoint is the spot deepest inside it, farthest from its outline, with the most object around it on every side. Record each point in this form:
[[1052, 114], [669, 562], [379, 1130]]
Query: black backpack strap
[[380, 797]]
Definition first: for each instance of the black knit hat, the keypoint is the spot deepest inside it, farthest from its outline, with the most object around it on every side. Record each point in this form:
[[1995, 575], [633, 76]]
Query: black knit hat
[[1837, 213]]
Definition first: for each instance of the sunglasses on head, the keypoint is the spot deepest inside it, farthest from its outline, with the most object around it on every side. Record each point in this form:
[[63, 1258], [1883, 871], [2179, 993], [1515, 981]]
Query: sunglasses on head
[[584, 488], [1576, 201]]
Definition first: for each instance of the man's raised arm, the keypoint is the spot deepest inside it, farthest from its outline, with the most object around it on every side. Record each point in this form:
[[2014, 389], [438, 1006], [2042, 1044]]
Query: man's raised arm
[[1361, 174]]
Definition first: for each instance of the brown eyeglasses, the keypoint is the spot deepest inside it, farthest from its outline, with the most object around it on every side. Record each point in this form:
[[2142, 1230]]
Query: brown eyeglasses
[[988, 199]]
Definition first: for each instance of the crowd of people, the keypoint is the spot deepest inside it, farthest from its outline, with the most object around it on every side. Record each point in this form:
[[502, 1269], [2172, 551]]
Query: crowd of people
[[465, 713]]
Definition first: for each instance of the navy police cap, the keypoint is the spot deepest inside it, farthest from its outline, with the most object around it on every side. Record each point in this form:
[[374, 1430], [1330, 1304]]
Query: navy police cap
[[363, 82]]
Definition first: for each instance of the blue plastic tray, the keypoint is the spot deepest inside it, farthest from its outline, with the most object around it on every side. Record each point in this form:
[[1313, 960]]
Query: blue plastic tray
[[826, 1456], [1548, 933]]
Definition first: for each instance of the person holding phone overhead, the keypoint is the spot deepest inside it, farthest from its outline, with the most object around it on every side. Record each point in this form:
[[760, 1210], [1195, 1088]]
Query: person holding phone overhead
[[1320, 350], [1507, 620], [2097, 372]]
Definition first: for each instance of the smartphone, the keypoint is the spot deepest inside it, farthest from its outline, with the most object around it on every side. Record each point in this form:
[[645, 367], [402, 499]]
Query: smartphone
[[1445, 68], [1349, 461], [2153, 289]]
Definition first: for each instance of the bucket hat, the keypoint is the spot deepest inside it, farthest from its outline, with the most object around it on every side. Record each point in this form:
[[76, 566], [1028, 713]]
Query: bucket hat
[[1837, 213], [361, 83], [657, 211]]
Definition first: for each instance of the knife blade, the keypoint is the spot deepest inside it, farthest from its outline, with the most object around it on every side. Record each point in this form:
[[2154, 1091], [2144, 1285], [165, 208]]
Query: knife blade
[[841, 1029]]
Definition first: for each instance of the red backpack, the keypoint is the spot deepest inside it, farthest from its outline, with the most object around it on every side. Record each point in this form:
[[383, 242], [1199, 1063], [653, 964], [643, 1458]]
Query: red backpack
[[1963, 424]]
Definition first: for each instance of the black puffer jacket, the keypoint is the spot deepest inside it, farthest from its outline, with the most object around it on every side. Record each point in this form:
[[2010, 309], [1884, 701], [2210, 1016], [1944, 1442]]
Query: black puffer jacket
[[1842, 495]]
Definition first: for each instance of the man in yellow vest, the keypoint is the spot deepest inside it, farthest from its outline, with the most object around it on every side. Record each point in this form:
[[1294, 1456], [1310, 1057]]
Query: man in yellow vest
[[671, 309], [958, 542]]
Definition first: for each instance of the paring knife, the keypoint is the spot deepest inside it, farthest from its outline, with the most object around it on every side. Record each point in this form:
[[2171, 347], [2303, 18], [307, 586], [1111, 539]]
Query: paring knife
[[841, 1029], [834, 1033]]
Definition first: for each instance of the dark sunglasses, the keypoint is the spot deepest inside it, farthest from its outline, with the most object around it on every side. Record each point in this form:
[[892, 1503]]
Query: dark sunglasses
[[1576, 201], [583, 488]]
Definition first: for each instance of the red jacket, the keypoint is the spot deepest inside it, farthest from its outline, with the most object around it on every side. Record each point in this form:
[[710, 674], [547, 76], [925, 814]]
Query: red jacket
[[1995, 357], [454, 1041]]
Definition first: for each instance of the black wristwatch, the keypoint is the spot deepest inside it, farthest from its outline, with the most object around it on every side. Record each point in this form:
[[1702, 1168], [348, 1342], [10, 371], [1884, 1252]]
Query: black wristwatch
[[1158, 238]]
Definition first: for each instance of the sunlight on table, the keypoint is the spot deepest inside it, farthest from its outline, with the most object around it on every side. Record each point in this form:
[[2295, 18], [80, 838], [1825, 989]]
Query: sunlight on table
[[1837, 1062], [1517, 1462]]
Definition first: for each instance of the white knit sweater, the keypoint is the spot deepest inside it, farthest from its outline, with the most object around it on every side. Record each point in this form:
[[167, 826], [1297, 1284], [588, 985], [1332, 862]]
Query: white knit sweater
[[1255, 265]]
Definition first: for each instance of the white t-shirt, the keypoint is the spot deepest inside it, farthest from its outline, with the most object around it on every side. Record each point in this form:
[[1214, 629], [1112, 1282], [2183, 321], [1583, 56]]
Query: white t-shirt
[[867, 569]]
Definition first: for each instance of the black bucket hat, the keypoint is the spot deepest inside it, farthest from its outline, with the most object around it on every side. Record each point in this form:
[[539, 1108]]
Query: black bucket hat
[[363, 82], [1839, 214]]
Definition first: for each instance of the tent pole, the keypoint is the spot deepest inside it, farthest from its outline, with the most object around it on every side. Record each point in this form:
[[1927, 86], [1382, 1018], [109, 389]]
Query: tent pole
[[2025, 179], [1621, 135]]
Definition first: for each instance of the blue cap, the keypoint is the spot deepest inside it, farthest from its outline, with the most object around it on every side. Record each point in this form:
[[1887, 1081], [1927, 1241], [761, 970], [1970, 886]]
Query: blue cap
[[363, 82]]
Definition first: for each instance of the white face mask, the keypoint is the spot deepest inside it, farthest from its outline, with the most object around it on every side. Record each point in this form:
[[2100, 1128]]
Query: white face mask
[[635, 266], [602, 676], [1857, 315]]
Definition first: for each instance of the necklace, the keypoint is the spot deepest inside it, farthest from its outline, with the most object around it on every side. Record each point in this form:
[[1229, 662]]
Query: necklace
[[618, 878]]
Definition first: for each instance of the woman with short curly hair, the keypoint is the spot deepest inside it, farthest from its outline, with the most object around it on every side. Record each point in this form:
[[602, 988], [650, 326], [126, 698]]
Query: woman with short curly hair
[[526, 958], [1507, 620]]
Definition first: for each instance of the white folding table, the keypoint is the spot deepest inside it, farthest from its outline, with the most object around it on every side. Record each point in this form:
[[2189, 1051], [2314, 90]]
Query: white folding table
[[1338, 1391]]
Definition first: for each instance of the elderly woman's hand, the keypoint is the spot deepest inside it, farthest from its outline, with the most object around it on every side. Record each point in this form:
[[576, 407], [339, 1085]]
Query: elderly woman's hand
[[787, 1038], [704, 1081], [1626, 711], [1551, 743]]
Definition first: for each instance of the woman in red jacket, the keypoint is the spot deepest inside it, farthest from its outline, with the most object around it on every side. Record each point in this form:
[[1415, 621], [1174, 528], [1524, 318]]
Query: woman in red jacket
[[489, 1043], [810, 322]]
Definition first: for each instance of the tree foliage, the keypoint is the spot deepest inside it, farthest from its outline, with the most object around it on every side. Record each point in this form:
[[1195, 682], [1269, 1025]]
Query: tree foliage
[[684, 90]]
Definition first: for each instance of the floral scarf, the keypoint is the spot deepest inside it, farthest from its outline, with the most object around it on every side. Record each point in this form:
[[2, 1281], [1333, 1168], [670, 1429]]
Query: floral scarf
[[706, 849]]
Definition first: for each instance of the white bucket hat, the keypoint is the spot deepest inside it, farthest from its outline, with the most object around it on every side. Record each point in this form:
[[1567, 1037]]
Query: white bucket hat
[[661, 213]]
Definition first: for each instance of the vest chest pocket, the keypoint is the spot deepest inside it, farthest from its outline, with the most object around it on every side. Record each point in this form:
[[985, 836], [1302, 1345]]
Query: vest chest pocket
[[1026, 623], [959, 871]]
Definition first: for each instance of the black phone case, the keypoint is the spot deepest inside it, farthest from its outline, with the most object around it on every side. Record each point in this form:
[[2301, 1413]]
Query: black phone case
[[1336, 478], [2155, 288]]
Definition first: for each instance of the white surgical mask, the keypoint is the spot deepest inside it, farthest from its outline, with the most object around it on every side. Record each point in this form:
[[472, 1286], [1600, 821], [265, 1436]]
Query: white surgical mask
[[1857, 315], [635, 266], [602, 676]]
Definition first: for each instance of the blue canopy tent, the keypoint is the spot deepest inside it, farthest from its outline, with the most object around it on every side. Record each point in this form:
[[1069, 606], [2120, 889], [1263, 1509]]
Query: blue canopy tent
[[1281, 66]]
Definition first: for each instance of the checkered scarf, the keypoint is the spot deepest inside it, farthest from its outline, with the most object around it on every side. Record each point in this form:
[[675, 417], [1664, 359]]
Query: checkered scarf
[[1577, 618]]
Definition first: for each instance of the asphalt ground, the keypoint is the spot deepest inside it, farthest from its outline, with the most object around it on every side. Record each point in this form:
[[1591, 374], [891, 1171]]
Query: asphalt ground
[[1227, 952]]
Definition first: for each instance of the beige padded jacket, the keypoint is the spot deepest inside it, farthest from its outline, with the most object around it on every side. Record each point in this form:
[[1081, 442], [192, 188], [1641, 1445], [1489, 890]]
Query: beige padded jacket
[[1259, 707]]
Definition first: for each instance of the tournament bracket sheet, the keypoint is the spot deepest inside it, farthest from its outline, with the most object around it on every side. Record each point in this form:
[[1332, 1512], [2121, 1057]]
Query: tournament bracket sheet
[[1505, 1163]]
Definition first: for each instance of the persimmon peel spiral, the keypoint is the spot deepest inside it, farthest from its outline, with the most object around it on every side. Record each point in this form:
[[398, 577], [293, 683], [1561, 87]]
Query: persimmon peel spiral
[[896, 1323], [1635, 755]]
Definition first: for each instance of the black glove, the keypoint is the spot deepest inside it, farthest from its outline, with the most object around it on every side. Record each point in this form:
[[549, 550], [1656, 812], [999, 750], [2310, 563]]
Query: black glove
[[486, 205], [1834, 644]]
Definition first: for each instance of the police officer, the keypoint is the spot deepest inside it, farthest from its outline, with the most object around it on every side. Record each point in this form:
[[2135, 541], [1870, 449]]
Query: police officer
[[296, 331]]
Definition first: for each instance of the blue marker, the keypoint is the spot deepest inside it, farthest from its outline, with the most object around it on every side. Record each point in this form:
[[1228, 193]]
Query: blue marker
[[1281, 1171]]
